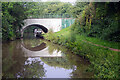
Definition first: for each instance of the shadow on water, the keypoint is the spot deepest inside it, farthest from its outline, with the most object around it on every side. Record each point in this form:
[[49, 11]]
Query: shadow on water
[[41, 59]]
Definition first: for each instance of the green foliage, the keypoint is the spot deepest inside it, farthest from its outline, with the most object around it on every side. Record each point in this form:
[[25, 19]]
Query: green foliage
[[99, 20], [78, 8], [35, 9], [48, 9], [12, 17]]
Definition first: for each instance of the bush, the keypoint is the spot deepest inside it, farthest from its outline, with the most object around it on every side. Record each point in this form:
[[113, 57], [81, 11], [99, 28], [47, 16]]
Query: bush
[[97, 21]]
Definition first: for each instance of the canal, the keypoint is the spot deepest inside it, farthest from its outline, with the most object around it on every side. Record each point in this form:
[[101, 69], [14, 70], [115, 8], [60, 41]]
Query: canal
[[37, 58]]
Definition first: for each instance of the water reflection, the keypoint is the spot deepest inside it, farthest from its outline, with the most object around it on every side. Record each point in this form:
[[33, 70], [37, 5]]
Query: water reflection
[[33, 45], [38, 48], [33, 68], [21, 59]]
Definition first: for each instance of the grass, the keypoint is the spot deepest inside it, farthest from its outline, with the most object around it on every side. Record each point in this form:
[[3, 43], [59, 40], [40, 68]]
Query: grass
[[66, 32], [104, 62], [105, 43]]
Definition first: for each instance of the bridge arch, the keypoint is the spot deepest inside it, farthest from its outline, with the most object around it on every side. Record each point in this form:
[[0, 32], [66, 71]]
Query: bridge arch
[[37, 25]]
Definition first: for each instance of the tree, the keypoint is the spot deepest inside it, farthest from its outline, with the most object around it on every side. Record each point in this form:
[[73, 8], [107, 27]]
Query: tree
[[79, 7], [12, 17]]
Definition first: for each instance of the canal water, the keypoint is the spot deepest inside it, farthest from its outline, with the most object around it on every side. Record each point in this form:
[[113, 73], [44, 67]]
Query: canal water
[[36, 58]]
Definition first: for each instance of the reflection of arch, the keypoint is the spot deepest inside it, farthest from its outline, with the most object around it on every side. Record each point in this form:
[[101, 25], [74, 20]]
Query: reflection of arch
[[38, 51], [37, 25], [36, 48]]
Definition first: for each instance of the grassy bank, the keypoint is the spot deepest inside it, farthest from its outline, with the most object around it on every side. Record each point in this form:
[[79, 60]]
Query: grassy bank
[[104, 62]]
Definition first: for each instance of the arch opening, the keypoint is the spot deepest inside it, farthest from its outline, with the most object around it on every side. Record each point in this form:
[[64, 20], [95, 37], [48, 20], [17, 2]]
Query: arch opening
[[44, 29], [40, 26]]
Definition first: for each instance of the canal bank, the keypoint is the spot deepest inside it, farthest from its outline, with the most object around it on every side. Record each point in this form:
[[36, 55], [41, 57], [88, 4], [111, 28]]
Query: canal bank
[[104, 62]]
